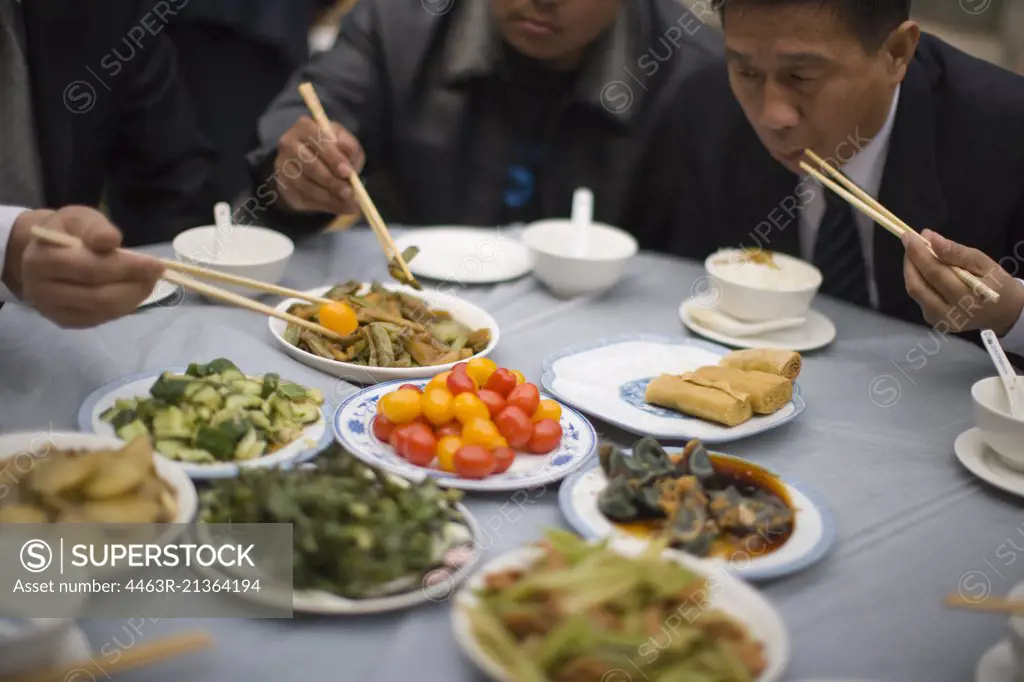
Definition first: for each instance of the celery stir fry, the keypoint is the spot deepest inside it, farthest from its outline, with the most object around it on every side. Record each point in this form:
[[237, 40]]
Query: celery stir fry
[[582, 610], [214, 413]]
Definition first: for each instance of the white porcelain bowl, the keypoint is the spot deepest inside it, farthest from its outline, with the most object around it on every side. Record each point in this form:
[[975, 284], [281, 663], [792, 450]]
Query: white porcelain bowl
[[553, 244], [35, 643], [244, 250], [745, 301], [1000, 431]]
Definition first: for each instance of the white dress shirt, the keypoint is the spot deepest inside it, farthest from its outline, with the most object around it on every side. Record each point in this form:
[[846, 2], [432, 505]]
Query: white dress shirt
[[8, 214], [866, 169]]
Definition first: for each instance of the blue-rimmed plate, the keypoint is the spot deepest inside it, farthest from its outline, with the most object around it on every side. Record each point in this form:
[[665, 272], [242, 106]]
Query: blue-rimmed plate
[[814, 531], [313, 440], [608, 377], [353, 428]]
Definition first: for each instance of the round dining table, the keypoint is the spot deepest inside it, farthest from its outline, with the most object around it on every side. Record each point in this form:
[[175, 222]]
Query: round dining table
[[885, 402]]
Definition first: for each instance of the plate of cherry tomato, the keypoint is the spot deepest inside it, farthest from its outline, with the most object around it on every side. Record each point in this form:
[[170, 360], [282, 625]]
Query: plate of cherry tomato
[[475, 427]]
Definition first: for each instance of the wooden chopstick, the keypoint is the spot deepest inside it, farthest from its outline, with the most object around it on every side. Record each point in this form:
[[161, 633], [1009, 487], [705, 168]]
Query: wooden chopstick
[[362, 196], [62, 239], [860, 199], [128, 659], [991, 604]]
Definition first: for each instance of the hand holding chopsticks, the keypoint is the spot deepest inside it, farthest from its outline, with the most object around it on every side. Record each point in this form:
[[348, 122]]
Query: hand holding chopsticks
[[185, 275], [362, 196], [864, 202]]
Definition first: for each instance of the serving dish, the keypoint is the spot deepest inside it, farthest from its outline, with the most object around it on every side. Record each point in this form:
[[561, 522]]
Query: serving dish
[[608, 378], [727, 597], [764, 551], [353, 429], [100, 404], [463, 311]]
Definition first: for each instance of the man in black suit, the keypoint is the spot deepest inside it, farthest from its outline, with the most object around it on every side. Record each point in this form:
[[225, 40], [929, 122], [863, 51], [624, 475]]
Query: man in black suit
[[91, 108], [935, 135]]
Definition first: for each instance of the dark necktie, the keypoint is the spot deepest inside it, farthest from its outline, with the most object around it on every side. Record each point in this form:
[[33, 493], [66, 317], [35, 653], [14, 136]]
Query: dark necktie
[[20, 180], [838, 253]]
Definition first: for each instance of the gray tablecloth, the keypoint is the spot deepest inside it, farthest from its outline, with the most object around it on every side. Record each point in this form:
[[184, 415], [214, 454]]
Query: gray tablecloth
[[884, 404]]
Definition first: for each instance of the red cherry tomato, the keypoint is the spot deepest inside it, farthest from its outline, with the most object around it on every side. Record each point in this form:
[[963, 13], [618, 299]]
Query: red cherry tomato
[[495, 402], [474, 461], [514, 426], [547, 434], [452, 428], [413, 387], [398, 439], [421, 445], [526, 397], [460, 368], [382, 428], [460, 382], [502, 381], [503, 458]]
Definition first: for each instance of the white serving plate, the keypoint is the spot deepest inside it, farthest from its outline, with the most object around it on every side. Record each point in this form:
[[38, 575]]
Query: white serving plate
[[314, 438], [731, 595], [466, 255], [327, 604], [607, 378], [814, 533], [353, 429], [463, 311]]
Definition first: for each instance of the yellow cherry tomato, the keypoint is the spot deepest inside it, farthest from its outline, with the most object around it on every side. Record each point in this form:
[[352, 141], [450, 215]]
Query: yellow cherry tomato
[[548, 409], [499, 442], [480, 432], [480, 370], [439, 381], [446, 449], [520, 379], [339, 317], [438, 406], [401, 406], [469, 407]]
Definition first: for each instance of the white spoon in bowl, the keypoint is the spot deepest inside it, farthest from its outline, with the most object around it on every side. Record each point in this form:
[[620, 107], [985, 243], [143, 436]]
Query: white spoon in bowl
[[1005, 369], [582, 216], [222, 219]]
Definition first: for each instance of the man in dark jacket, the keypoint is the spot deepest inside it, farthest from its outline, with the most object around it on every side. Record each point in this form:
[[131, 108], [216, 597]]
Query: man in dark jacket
[[934, 134], [491, 112]]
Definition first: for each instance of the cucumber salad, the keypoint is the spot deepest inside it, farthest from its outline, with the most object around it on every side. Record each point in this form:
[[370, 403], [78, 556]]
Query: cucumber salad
[[214, 413]]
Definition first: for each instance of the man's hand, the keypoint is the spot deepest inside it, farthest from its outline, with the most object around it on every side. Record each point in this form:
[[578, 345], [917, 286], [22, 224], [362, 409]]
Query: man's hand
[[943, 296], [77, 287], [311, 169]]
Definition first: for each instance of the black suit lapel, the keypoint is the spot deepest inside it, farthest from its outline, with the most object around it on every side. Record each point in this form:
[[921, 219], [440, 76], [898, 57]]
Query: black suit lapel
[[60, 87], [910, 188]]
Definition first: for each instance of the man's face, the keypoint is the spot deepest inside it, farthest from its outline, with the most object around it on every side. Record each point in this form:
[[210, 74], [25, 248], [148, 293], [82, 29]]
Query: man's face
[[805, 80], [554, 31]]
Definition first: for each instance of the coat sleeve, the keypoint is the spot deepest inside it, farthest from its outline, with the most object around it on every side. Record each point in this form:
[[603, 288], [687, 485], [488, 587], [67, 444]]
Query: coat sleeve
[[160, 164], [351, 81]]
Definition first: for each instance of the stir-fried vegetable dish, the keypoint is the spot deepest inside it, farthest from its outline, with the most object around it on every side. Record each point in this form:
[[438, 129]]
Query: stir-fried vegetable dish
[[582, 609], [394, 329]]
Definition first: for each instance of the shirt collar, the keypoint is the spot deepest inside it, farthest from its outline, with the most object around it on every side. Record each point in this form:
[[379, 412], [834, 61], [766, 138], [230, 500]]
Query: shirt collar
[[866, 167], [473, 50]]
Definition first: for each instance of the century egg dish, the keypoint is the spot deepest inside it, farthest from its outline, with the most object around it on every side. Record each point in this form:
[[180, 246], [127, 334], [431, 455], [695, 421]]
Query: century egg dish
[[708, 505]]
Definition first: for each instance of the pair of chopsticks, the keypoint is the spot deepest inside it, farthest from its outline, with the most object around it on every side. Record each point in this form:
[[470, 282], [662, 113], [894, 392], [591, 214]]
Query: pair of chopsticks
[[991, 604], [867, 205], [184, 275], [129, 659], [362, 196]]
